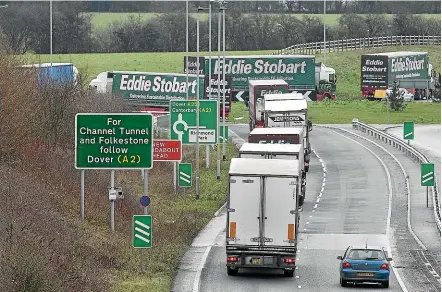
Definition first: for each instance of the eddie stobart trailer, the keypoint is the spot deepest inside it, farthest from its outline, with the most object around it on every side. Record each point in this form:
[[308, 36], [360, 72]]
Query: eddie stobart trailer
[[380, 70], [148, 91], [314, 80], [262, 215], [293, 152], [255, 103]]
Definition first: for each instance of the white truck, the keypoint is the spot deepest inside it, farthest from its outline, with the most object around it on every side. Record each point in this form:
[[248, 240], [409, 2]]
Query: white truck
[[257, 90], [276, 135], [262, 214], [288, 113], [278, 151]]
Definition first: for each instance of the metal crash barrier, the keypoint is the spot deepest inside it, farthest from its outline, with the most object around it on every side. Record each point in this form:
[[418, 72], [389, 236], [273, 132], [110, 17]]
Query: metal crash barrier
[[411, 152]]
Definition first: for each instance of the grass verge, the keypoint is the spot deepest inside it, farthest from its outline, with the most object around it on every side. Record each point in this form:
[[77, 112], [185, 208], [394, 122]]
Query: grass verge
[[177, 218], [346, 64], [371, 112]]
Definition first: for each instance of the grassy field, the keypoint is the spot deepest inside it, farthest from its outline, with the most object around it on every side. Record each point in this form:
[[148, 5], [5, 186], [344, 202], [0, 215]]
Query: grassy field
[[103, 19], [371, 112], [346, 64]]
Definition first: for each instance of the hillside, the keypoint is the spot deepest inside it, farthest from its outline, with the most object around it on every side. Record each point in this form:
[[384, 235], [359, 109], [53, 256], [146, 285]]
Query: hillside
[[346, 64]]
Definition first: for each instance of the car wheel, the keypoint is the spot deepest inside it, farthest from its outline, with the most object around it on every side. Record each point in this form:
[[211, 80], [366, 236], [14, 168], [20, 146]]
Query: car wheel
[[343, 282], [232, 272], [386, 284], [289, 273]]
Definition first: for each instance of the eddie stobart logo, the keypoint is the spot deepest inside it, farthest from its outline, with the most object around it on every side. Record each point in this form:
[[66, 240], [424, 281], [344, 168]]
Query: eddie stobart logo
[[260, 66], [158, 84], [407, 64], [374, 66]]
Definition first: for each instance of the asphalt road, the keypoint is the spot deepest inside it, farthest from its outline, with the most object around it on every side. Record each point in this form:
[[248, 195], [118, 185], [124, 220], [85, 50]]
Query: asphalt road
[[352, 209]]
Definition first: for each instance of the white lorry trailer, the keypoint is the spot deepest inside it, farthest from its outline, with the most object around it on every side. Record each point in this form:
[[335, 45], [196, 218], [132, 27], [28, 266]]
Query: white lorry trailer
[[257, 90], [277, 135], [279, 151], [262, 214], [290, 112]]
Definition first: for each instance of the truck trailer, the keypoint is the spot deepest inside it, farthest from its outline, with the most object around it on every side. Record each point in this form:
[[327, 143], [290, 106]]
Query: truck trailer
[[314, 80], [288, 113], [255, 103], [412, 70], [56, 73], [276, 136], [262, 215], [279, 151], [148, 91]]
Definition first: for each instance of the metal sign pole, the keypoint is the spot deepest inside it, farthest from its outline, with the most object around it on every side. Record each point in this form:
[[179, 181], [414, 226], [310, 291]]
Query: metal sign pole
[[210, 73], [112, 219], [197, 167], [174, 175], [427, 197], [82, 194], [224, 84], [146, 212], [218, 149]]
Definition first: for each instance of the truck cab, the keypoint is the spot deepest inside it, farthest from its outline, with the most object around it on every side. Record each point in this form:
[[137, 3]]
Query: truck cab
[[325, 79]]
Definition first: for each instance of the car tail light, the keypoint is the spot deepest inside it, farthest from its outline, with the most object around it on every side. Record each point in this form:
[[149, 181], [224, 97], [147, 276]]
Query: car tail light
[[232, 259], [290, 261], [232, 229], [346, 265], [384, 267]]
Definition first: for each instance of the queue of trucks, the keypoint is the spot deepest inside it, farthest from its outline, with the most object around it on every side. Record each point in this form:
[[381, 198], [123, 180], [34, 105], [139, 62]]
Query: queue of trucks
[[267, 182]]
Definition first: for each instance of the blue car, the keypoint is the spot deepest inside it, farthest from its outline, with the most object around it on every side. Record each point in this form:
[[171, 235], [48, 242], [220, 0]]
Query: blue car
[[362, 264]]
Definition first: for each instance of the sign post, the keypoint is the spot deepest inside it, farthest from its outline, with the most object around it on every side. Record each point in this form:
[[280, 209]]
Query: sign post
[[145, 202], [185, 175], [408, 131], [427, 176], [113, 141]]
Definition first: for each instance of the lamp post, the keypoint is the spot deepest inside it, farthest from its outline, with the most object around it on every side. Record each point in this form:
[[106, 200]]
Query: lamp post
[[323, 54], [50, 21]]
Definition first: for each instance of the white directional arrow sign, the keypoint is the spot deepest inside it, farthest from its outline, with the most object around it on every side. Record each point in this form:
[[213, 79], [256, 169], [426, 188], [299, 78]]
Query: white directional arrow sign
[[142, 231]]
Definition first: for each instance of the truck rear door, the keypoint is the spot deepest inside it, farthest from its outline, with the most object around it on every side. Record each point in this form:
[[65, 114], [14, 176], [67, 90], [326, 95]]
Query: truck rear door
[[244, 210], [279, 209]]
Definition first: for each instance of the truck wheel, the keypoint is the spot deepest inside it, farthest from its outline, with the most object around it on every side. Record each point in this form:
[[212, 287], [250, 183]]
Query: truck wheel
[[326, 96], [301, 201], [250, 125], [290, 273], [306, 168], [232, 272]]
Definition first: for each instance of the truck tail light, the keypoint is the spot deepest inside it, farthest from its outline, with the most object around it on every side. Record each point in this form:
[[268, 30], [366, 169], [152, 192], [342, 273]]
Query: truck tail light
[[232, 259], [346, 265], [384, 267], [232, 229], [291, 231], [290, 261]]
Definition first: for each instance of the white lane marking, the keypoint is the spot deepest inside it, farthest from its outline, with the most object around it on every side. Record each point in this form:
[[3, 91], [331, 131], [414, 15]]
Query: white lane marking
[[197, 280], [324, 174], [390, 190], [317, 201], [316, 205]]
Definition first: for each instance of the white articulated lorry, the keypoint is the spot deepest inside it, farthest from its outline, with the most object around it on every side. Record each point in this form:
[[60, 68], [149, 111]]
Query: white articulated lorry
[[278, 151], [262, 214], [288, 111]]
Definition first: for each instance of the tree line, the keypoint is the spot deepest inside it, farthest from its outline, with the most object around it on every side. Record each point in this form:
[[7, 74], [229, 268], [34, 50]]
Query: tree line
[[283, 6], [24, 26]]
